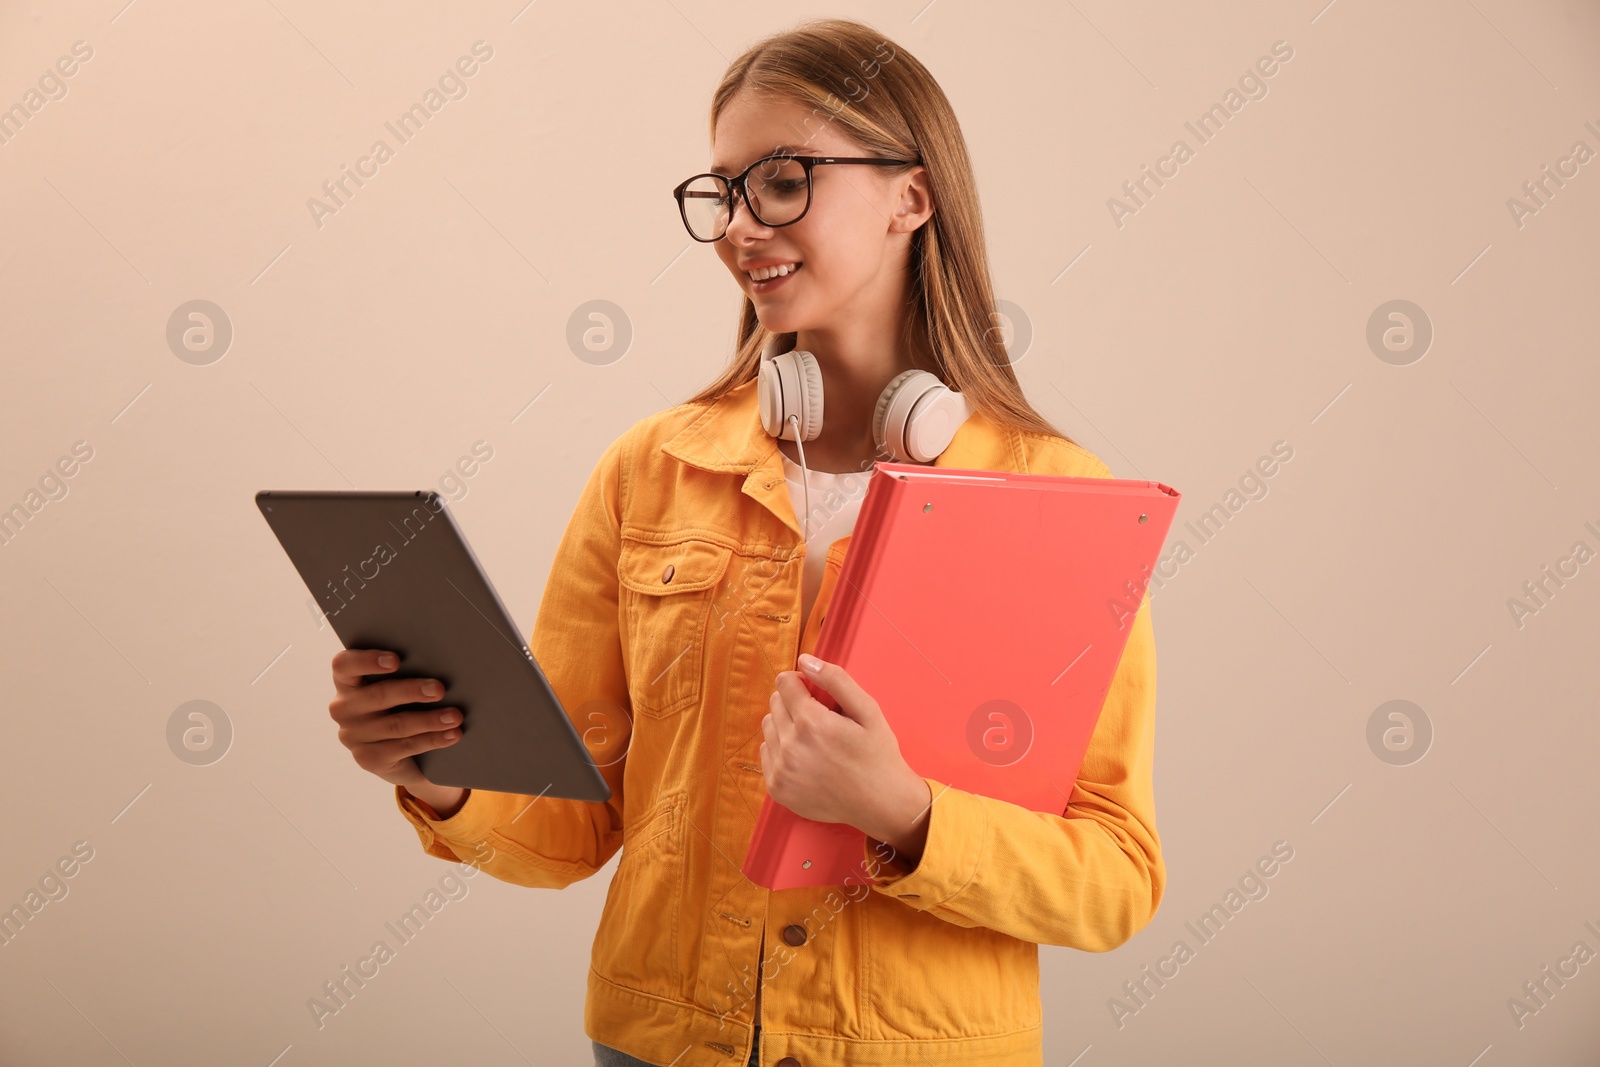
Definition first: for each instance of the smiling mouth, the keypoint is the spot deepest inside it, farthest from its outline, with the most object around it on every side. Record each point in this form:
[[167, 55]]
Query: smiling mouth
[[763, 275]]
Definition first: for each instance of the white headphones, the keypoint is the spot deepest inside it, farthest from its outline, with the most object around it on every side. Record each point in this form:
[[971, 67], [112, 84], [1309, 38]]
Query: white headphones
[[916, 418]]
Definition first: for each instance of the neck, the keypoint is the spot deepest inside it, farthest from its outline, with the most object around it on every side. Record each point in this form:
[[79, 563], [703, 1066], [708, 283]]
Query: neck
[[857, 363]]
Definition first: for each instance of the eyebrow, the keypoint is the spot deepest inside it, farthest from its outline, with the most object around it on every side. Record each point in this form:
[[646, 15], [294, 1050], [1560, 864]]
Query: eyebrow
[[717, 168]]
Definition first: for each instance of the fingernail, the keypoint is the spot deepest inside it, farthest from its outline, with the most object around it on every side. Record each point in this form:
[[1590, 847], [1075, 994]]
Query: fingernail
[[386, 659], [449, 717], [432, 689], [810, 663]]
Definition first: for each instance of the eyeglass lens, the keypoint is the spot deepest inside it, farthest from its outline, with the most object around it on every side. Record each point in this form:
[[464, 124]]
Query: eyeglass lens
[[777, 192]]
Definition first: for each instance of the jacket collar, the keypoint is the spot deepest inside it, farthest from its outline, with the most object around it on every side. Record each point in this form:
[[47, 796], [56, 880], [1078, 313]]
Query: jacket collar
[[726, 436]]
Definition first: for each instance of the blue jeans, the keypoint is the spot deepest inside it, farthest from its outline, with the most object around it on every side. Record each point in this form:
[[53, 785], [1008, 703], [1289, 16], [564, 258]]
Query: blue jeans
[[606, 1056]]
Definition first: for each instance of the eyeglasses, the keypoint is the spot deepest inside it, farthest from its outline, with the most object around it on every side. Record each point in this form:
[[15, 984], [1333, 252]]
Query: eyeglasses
[[776, 189]]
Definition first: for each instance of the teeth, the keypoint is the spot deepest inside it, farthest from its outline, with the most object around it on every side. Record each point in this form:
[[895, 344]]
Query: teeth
[[761, 274]]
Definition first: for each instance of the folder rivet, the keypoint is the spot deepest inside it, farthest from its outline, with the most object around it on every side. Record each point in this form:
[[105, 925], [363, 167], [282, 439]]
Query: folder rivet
[[666, 575], [927, 508], [807, 863], [1143, 517]]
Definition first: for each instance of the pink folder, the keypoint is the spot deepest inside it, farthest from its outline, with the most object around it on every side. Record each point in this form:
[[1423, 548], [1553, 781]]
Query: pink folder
[[986, 612]]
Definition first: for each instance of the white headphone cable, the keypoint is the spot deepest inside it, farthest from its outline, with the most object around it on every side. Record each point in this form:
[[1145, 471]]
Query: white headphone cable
[[804, 480]]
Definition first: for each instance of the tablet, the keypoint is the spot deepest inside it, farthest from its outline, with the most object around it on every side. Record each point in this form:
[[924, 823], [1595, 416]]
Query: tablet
[[392, 570]]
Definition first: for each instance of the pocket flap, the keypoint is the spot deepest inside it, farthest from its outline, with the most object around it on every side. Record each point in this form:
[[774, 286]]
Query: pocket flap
[[681, 567]]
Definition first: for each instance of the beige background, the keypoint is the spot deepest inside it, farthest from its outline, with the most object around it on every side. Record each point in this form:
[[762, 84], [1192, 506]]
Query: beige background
[[1227, 314]]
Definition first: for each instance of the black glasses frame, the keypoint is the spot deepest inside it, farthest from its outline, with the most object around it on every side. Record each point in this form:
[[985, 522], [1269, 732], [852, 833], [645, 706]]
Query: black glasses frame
[[737, 191]]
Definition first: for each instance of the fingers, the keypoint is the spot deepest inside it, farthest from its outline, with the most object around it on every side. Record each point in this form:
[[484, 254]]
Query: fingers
[[380, 740], [353, 703], [779, 716], [351, 665], [852, 700], [375, 727], [382, 757]]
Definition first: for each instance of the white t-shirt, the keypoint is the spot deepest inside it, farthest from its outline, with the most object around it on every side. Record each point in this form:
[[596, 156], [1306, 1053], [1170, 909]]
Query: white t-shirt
[[835, 501]]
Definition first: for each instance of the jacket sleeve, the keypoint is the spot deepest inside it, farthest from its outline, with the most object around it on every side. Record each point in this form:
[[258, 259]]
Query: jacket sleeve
[[551, 842], [1089, 878]]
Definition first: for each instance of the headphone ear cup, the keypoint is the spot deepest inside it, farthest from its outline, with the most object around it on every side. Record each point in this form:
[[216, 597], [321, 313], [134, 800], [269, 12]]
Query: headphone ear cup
[[790, 383], [880, 416], [809, 375], [917, 417]]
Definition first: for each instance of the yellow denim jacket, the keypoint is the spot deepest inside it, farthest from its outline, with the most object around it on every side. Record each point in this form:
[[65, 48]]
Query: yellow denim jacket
[[673, 602]]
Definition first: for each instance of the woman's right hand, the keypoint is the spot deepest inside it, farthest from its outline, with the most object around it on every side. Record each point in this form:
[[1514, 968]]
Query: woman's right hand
[[386, 742]]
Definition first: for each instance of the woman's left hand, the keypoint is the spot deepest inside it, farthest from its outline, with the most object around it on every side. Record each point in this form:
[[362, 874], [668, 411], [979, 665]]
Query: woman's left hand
[[840, 766]]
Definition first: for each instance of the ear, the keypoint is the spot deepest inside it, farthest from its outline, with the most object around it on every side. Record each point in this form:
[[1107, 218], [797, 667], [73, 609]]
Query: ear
[[914, 203]]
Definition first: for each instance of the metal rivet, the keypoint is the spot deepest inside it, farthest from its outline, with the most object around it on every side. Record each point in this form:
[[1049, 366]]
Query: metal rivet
[[1143, 517], [666, 575], [927, 508], [806, 865]]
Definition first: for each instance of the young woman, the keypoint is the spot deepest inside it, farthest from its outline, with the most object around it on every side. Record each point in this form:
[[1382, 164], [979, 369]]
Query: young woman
[[695, 573]]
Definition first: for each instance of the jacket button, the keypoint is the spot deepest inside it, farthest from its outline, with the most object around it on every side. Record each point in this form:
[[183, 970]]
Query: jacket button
[[666, 575], [794, 934], [788, 1061]]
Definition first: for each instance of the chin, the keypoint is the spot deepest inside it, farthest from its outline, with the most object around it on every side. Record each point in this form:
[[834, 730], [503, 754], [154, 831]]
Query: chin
[[785, 321]]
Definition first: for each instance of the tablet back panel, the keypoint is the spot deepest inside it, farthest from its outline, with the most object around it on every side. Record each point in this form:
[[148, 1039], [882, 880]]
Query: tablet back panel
[[391, 570]]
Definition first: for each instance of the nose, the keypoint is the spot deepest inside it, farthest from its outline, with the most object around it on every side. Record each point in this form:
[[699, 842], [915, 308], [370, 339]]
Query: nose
[[750, 226]]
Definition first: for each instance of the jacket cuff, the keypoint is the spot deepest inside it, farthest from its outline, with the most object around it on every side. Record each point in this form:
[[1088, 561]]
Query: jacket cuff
[[437, 834], [957, 835]]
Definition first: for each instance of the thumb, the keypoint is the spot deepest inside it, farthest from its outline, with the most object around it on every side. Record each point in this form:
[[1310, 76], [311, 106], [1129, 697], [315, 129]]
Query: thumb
[[854, 701]]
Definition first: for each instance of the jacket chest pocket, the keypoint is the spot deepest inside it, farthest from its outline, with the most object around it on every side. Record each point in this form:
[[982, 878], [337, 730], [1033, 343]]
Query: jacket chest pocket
[[667, 591]]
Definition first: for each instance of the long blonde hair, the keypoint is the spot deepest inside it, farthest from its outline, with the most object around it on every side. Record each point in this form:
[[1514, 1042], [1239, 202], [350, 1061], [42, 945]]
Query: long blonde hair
[[884, 99]]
